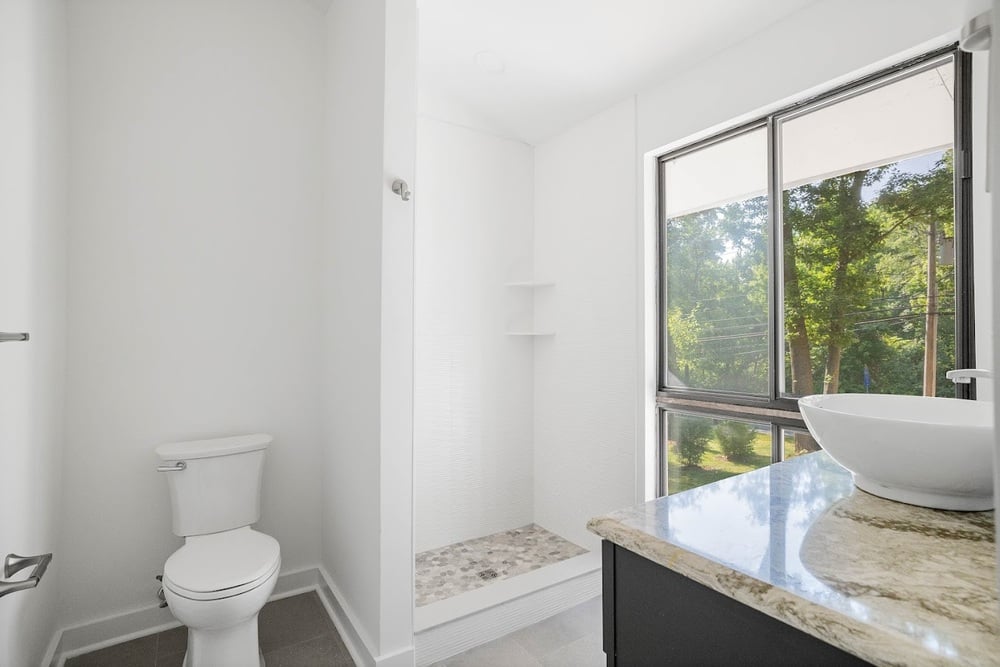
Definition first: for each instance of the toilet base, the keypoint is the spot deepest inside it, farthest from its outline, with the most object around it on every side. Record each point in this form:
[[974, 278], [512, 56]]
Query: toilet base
[[235, 646]]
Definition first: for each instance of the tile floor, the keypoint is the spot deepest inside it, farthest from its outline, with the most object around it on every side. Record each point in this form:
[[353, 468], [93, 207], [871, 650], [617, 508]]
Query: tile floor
[[464, 566], [297, 632], [570, 639], [294, 632]]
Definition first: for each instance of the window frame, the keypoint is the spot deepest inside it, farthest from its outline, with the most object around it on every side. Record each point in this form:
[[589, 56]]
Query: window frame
[[775, 406]]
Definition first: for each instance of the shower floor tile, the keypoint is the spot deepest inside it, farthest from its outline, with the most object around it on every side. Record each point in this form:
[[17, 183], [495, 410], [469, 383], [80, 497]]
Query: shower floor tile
[[464, 566]]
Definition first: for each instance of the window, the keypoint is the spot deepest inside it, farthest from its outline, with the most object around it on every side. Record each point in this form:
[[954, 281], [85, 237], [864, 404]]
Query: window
[[825, 248]]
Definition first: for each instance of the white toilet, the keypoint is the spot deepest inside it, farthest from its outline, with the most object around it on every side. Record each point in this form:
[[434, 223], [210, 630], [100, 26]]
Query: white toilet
[[218, 581]]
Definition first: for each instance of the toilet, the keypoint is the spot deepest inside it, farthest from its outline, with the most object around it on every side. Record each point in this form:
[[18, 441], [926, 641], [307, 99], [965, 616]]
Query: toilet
[[218, 581]]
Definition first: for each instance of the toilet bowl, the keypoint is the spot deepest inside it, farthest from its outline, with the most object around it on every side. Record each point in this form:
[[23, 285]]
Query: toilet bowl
[[217, 583], [216, 586]]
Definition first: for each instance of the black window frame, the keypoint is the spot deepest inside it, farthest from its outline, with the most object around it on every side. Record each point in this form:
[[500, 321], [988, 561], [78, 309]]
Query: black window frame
[[775, 408]]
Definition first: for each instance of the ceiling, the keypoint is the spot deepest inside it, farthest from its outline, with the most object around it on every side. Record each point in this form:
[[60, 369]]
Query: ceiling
[[565, 60]]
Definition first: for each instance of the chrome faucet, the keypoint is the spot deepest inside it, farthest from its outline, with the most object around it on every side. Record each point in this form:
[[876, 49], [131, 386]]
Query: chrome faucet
[[965, 375]]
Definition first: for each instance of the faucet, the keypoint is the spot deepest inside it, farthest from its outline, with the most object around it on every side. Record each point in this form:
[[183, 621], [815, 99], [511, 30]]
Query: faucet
[[965, 375]]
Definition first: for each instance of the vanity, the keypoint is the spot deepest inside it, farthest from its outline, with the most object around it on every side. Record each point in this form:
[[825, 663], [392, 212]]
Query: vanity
[[793, 565]]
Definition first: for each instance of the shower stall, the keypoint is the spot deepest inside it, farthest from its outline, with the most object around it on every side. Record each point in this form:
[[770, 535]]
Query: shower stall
[[506, 471]]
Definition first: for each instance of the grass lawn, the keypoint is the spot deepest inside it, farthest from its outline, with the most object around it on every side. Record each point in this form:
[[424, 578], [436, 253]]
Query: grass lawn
[[714, 466]]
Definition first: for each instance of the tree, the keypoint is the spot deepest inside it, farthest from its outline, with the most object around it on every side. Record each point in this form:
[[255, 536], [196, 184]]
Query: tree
[[692, 438], [925, 203], [829, 279], [862, 287], [736, 439], [717, 321], [859, 268]]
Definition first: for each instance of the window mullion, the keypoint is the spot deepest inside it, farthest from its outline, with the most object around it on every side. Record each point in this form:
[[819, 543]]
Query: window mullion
[[775, 336], [965, 341]]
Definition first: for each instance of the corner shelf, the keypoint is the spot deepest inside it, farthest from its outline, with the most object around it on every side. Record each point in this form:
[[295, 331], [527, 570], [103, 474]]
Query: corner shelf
[[522, 303]]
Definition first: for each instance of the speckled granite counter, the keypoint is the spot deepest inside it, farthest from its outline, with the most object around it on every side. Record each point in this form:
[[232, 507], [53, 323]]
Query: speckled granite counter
[[890, 583]]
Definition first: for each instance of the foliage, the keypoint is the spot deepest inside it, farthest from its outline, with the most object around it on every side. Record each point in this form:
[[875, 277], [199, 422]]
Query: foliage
[[714, 465], [736, 439], [692, 438], [855, 263], [717, 297]]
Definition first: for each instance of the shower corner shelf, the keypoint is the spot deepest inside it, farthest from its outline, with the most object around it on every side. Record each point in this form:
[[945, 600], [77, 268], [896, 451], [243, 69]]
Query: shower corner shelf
[[530, 333]]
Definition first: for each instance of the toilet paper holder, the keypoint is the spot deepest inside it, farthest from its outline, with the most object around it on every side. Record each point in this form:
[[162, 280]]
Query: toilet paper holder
[[13, 564]]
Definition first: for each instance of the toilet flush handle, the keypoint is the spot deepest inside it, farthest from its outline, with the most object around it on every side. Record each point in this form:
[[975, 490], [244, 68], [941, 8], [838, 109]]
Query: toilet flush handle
[[176, 467]]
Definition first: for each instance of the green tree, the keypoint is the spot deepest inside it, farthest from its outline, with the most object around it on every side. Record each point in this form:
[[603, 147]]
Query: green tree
[[717, 297], [829, 271], [692, 438], [736, 439], [858, 250]]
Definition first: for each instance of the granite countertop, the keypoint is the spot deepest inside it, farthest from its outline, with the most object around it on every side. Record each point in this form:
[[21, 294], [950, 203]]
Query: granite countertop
[[890, 583]]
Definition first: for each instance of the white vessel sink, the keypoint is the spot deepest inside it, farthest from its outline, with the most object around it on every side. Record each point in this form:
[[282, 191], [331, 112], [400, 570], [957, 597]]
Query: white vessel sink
[[933, 452]]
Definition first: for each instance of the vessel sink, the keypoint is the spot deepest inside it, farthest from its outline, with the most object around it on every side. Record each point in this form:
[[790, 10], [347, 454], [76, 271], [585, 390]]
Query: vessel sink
[[932, 452]]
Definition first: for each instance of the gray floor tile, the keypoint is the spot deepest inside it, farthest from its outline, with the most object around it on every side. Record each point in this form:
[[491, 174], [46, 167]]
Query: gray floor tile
[[172, 660], [572, 638], [503, 652], [170, 642], [327, 650], [557, 631], [590, 611], [292, 621], [136, 653], [584, 652], [282, 623]]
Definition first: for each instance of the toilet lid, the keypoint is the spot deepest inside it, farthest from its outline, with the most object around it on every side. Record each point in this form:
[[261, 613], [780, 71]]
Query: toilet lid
[[221, 563]]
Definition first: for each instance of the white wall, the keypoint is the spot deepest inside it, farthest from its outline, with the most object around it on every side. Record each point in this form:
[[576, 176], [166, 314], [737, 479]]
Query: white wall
[[33, 193], [194, 273], [473, 458], [825, 43], [993, 153], [367, 253], [585, 240], [984, 237]]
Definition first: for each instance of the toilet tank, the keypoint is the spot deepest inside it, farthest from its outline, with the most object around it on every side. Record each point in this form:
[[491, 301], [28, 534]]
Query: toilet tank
[[219, 486]]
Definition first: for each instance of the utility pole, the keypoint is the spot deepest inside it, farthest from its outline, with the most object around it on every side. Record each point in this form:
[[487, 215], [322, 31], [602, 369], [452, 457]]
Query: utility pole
[[930, 327]]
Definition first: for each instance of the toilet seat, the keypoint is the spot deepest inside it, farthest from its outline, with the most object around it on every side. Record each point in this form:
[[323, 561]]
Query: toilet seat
[[221, 565]]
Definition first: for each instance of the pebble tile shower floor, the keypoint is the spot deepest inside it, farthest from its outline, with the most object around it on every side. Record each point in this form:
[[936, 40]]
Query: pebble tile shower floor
[[464, 566], [294, 632]]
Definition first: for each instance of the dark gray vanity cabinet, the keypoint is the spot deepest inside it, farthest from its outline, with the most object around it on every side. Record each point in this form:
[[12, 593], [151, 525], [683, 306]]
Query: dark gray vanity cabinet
[[654, 616]]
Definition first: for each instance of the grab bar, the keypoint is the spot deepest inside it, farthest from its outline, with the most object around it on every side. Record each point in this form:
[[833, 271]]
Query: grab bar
[[14, 564]]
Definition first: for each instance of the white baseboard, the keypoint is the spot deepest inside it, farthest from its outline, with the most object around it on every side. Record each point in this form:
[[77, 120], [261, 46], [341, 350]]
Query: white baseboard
[[105, 632], [465, 621], [359, 644], [361, 651]]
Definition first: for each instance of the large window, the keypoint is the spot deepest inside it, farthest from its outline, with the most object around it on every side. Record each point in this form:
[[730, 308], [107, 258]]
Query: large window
[[825, 248]]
